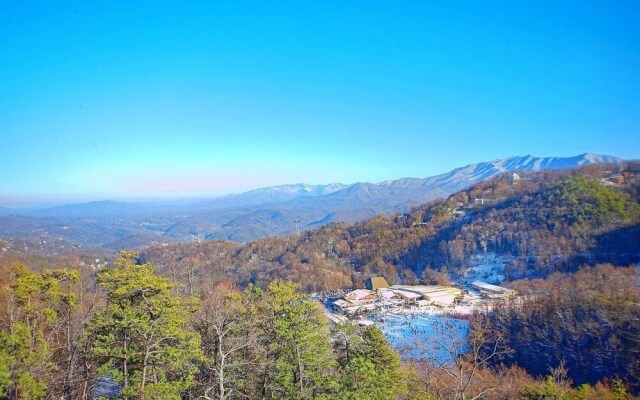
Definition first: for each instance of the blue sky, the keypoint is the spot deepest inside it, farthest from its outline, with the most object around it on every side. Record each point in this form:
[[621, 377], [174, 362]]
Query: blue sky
[[125, 99]]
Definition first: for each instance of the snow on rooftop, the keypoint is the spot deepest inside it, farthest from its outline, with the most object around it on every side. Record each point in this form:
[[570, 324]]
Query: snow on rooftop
[[358, 294], [408, 294], [489, 287]]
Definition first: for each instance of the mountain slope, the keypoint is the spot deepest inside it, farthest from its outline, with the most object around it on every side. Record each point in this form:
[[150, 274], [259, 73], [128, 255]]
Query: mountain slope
[[268, 211], [551, 222]]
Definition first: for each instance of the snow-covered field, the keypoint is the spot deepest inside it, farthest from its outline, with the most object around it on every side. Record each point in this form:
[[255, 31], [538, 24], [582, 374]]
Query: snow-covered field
[[430, 337]]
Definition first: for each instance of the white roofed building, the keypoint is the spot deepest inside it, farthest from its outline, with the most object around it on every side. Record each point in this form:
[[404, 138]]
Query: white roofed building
[[490, 289]]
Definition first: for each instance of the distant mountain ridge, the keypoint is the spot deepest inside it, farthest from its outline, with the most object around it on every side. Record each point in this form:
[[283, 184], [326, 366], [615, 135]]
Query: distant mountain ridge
[[92, 209], [443, 184], [266, 211], [274, 194]]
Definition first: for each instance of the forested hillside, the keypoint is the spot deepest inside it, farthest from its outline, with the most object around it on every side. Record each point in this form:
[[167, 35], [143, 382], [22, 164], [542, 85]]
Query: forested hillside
[[547, 221], [130, 333], [587, 323]]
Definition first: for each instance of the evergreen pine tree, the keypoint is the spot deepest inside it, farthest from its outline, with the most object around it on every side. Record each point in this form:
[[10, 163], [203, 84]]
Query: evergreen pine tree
[[141, 337], [298, 343]]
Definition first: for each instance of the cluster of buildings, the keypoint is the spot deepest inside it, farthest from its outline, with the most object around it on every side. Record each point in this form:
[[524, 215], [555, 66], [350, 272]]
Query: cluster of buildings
[[379, 295]]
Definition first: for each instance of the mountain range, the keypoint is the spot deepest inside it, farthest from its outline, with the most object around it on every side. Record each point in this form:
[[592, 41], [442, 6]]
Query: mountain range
[[262, 212]]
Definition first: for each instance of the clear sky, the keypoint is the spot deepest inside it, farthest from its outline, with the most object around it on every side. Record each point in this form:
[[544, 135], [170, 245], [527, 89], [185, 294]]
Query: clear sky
[[125, 99]]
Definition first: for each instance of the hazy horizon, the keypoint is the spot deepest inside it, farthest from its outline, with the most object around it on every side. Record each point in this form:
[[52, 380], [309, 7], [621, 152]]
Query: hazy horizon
[[45, 201]]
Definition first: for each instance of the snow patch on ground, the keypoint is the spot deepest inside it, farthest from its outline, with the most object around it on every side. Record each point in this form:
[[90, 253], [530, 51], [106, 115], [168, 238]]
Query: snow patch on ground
[[486, 267]]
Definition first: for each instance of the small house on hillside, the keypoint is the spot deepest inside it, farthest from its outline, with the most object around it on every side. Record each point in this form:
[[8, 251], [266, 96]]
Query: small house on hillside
[[376, 282], [618, 178]]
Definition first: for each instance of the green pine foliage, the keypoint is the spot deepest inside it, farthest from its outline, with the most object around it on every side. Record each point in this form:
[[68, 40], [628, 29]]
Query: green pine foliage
[[297, 338], [370, 368], [361, 380], [142, 337], [580, 200], [25, 352]]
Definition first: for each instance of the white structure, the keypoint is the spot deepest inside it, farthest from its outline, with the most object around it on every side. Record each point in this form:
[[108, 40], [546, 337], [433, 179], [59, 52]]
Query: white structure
[[409, 297], [492, 289], [436, 294], [443, 299]]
